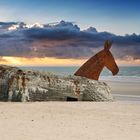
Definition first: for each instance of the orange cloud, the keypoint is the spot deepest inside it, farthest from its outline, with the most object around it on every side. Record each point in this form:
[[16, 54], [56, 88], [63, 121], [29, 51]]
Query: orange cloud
[[129, 63], [51, 61], [47, 61]]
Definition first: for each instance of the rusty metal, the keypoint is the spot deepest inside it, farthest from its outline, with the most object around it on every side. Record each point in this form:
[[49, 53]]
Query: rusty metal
[[93, 67]]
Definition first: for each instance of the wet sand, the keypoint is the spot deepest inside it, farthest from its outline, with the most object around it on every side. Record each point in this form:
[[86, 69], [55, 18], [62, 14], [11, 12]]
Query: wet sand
[[125, 91]]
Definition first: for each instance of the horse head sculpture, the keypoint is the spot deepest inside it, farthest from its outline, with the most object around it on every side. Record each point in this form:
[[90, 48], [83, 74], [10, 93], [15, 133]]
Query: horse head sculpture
[[93, 67]]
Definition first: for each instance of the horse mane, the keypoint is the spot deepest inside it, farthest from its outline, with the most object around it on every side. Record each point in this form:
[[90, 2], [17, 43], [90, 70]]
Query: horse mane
[[92, 68]]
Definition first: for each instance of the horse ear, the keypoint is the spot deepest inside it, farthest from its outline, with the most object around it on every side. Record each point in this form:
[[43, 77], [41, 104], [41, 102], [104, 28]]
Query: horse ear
[[107, 45]]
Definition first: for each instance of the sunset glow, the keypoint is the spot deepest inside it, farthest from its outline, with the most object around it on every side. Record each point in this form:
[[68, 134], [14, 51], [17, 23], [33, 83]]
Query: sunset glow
[[40, 61], [20, 61], [67, 33]]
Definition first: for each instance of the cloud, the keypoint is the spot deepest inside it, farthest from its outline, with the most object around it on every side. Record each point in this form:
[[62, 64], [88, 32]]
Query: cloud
[[62, 40], [2, 60]]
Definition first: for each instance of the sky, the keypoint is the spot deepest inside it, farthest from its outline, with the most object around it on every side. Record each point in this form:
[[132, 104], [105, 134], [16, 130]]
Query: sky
[[81, 27]]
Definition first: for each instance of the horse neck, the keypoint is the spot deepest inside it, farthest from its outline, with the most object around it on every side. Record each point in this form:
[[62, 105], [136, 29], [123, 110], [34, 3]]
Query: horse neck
[[97, 69], [93, 67]]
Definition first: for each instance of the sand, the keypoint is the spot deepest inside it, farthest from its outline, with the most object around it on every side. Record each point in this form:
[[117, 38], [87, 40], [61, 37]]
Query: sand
[[125, 91], [127, 88], [70, 121], [119, 120]]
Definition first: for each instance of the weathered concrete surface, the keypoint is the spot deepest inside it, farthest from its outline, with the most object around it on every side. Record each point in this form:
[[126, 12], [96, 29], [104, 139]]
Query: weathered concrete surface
[[21, 85]]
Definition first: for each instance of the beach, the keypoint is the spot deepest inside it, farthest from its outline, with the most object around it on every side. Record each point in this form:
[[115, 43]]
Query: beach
[[70, 121], [125, 91], [118, 120], [69, 70]]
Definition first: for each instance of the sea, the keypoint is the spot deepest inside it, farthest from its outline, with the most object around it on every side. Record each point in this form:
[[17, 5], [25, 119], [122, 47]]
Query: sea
[[127, 74]]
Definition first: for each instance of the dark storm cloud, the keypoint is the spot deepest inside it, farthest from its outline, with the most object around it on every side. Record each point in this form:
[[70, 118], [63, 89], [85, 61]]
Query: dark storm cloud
[[7, 24], [63, 40]]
